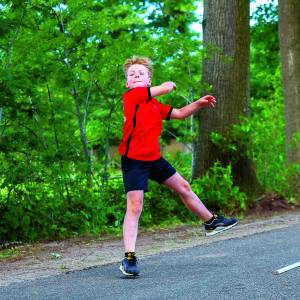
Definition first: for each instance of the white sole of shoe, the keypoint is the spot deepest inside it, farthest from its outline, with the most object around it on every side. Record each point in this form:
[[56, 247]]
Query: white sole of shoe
[[125, 273], [219, 229]]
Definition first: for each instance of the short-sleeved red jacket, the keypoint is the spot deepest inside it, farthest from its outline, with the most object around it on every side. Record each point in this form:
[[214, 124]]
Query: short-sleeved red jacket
[[143, 117]]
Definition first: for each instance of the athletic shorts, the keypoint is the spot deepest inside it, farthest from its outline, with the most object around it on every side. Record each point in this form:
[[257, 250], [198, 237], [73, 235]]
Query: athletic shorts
[[136, 173]]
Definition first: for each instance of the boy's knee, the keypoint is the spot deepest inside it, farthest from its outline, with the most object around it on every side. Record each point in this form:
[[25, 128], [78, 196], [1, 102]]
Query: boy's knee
[[185, 188], [135, 209], [134, 203]]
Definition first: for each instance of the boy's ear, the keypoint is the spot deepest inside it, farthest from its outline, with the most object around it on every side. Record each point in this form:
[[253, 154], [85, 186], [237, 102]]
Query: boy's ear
[[150, 82], [127, 85]]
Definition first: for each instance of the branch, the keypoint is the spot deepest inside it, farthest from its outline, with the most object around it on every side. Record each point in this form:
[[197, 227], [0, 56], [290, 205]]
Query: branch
[[29, 129], [4, 127], [191, 90], [86, 106], [186, 99], [83, 138], [100, 89], [53, 117], [13, 40]]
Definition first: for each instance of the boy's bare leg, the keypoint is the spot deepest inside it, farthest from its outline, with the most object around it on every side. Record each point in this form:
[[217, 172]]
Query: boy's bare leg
[[188, 197], [131, 220]]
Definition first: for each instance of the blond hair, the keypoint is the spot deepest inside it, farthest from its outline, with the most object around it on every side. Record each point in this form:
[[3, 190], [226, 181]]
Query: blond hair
[[138, 60]]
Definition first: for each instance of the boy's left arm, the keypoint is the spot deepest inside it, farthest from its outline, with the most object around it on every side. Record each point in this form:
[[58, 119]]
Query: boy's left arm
[[192, 108]]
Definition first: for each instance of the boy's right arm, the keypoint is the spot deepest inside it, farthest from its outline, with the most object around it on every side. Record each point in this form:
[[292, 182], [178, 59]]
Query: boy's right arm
[[162, 89]]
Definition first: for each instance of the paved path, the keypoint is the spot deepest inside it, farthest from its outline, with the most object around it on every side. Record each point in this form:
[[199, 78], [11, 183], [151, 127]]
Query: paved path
[[238, 268]]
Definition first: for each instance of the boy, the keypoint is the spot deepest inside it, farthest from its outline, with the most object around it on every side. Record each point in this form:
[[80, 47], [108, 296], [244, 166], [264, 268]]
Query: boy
[[141, 159]]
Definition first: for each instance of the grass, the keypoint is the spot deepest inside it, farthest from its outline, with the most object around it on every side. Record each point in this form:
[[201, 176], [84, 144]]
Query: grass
[[9, 253]]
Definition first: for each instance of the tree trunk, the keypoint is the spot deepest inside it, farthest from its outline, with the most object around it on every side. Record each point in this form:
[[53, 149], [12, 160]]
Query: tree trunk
[[289, 38], [226, 38]]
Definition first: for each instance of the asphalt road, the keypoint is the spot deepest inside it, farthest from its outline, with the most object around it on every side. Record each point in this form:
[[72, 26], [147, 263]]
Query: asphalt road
[[240, 268]]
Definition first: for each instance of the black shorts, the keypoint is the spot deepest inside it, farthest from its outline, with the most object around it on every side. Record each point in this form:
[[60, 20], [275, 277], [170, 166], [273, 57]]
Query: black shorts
[[136, 173]]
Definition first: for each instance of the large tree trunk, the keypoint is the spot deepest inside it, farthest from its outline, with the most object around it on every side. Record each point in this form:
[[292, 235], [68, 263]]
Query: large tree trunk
[[226, 37], [289, 37]]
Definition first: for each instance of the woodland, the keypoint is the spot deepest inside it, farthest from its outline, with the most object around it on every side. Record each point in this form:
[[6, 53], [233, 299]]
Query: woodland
[[61, 113]]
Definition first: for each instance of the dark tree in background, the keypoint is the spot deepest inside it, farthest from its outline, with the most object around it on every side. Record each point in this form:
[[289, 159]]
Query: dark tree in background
[[289, 36], [226, 38]]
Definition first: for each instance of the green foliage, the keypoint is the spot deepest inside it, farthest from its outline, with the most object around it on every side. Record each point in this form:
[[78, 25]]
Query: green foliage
[[9, 253], [235, 141], [21, 207], [47, 211], [217, 191], [267, 147], [264, 50], [161, 206], [61, 84]]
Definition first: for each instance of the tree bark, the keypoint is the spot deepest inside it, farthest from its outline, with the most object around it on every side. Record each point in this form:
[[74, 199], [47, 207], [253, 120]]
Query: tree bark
[[289, 39], [226, 38]]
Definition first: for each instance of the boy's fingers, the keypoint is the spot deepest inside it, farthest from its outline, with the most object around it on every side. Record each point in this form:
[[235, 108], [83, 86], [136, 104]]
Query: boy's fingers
[[210, 98]]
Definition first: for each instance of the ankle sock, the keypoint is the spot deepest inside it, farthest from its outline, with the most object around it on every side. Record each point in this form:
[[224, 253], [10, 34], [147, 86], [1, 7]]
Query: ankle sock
[[130, 255], [210, 220]]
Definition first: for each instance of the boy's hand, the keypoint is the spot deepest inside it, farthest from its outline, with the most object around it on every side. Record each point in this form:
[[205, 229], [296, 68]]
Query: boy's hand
[[162, 89], [207, 100], [169, 85], [193, 107]]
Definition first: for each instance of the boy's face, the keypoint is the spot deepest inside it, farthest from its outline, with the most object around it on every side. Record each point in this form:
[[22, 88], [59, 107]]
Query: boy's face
[[137, 76]]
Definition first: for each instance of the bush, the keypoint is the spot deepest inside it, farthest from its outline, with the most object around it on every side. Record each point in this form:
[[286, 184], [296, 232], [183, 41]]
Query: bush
[[217, 191], [49, 209], [267, 148]]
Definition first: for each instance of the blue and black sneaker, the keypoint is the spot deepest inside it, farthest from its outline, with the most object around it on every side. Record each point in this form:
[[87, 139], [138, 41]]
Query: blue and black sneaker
[[219, 224], [129, 266]]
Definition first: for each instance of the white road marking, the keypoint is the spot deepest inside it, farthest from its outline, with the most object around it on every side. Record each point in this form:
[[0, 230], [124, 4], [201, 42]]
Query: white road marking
[[287, 268]]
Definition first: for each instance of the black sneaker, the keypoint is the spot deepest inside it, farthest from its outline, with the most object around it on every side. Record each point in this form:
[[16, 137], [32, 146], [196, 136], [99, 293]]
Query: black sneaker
[[129, 266], [219, 224]]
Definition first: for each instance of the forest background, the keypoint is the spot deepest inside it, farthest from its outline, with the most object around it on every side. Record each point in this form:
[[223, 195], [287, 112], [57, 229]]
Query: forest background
[[61, 115]]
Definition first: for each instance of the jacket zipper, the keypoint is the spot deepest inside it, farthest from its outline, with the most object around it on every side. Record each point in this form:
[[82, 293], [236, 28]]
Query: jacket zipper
[[133, 126]]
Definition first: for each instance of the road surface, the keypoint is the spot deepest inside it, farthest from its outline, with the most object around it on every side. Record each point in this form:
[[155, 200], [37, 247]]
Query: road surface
[[238, 268]]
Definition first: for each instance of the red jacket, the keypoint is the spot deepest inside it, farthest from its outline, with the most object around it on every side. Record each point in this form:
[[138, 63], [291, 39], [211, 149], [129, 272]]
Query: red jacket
[[143, 117]]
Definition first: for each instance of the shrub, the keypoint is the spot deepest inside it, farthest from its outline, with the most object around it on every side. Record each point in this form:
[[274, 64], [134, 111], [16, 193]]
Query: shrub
[[217, 191]]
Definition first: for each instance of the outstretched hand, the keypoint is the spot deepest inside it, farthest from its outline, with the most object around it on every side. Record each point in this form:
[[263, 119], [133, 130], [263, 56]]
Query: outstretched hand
[[207, 100]]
